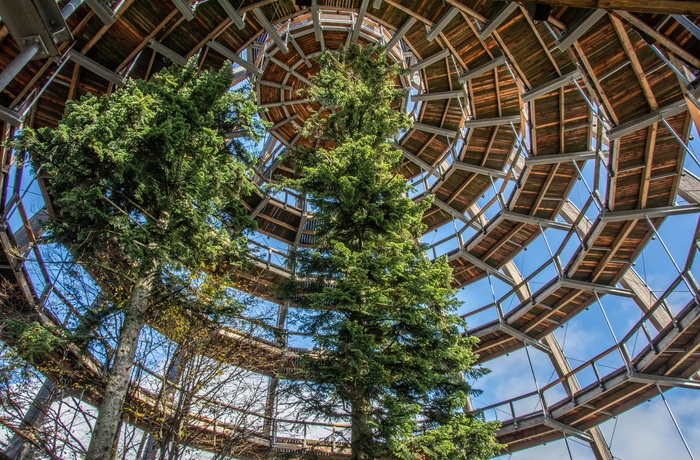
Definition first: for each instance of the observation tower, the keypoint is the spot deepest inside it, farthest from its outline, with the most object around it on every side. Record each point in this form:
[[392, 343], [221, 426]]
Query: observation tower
[[559, 139]]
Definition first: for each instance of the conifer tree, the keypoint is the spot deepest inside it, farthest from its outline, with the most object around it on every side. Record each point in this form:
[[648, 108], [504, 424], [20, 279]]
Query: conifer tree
[[144, 184], [389, 350]]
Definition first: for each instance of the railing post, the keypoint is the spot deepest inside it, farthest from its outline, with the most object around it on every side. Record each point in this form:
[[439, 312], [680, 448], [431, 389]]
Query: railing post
[[649, 339], [626, 356], [273, 433], [333, 441], [597, 376], [304, 442]]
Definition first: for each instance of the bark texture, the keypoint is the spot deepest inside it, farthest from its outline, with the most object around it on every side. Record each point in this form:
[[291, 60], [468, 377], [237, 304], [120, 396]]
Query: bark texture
[[107, 425], [361, 437]]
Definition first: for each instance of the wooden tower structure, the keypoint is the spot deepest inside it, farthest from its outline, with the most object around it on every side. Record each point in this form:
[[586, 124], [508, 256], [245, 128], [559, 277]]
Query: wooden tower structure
[[518, 107]]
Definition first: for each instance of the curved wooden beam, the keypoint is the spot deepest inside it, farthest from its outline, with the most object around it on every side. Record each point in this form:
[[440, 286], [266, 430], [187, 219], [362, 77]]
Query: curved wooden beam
[[657, 6]]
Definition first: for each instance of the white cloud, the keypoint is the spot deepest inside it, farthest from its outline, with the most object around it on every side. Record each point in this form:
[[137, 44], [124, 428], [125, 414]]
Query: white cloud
[[646, 432]]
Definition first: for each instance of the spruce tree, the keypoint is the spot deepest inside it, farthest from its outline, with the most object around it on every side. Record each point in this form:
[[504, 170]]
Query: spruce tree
[[144, 185], [389, 351]]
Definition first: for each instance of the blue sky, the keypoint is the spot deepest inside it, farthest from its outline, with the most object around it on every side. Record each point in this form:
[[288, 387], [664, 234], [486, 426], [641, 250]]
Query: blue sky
[[645, 432]]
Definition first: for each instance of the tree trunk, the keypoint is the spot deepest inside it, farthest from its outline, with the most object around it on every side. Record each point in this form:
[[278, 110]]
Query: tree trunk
[[361, 438], [106, 427]]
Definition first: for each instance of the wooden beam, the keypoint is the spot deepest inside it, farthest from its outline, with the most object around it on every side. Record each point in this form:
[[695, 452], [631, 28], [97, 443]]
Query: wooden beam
[[272, 32], [495, 247], [167, 52], [401, 32], [146, 40], [551, 86], [232, 13], [213, 33], [229, 54], [689, 188], [96, 68], [482, 69], [691, 7], [483, 266], [445, 19], [512, 61], [634, 61], [644, 297], [438, 96], [578, 30], [644, 121], [464, 9], [648, 166], [283, 122], [269, 105], [560, 158], [539, 38], [595, 82], [435, 130], [478, 169], [102, 11], [103, 30], [430, 60], [410, 11], [316, 17], [302, 55], [290, 70], [662, 39], [502, 15], [620, 239], [75, 79], [485, 122], [185, 8], [360, 18], [694, 110]]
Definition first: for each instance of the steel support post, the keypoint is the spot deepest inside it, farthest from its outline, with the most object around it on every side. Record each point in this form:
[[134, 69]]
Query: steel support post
[[18, 63], [675, 423]]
